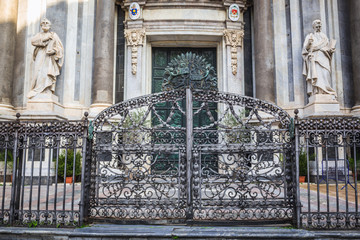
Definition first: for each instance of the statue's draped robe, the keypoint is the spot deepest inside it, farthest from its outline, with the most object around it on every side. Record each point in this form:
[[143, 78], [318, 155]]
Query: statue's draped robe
[[47, 67], [317, 68]]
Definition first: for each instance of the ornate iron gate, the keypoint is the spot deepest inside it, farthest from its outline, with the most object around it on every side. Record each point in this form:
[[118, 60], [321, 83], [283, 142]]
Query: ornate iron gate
[[237, 166]]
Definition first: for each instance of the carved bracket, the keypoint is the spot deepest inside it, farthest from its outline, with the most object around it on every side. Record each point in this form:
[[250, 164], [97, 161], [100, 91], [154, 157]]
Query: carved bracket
[[234, 39], [134, 39]]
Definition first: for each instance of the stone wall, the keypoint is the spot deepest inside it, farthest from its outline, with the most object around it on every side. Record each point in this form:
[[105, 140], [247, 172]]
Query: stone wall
[[268, 60]]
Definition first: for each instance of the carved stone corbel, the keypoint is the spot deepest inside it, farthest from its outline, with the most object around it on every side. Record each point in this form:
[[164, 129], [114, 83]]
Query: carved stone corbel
[[234, 39], [134, 39]]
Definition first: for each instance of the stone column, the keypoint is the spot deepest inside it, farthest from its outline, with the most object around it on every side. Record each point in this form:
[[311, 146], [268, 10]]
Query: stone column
[[355, 43], [264, 51], [8, 20], [102, 87]]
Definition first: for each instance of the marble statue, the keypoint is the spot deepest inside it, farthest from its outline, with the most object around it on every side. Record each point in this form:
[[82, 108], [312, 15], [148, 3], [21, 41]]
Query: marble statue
[[48, 59], [317, 54]]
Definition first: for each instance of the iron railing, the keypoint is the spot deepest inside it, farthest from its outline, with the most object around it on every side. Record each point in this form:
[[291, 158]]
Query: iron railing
[[35, 158], [38, 158], [328, 156]]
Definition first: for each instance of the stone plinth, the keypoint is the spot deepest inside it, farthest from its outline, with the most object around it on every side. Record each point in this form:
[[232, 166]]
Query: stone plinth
[[7, 112], [95, 109], [322, 104], [44, 106], [356, 111]]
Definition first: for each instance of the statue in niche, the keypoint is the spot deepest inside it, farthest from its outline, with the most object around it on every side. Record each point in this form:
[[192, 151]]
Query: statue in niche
[[48, 59], [317, 54]]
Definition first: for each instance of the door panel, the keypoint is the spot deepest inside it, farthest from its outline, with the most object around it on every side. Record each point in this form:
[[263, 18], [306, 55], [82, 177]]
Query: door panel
[[161, 58]]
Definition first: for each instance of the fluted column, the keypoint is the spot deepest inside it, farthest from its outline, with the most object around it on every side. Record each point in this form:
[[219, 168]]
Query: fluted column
[[355, 43], [102, 88], [8, 19], [264, 51]]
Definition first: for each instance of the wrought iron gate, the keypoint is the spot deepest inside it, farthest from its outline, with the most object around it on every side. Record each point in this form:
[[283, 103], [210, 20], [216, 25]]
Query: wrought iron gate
[[250, 143], [237, 165]]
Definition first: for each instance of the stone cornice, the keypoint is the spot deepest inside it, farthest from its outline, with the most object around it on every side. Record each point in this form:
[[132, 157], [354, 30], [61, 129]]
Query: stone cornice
[[219, 4]]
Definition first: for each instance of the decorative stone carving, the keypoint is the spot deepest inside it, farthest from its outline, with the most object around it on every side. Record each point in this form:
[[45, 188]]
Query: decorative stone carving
[[317, 54], [234, 38], [189, 70], [134, 39], [48, 59]]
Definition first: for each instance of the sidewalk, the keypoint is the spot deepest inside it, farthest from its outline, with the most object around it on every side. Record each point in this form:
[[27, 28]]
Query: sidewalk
[[112, 231]]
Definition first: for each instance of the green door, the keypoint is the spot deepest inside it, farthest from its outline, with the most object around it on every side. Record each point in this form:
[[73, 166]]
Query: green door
[[160, 59], [162, 56]]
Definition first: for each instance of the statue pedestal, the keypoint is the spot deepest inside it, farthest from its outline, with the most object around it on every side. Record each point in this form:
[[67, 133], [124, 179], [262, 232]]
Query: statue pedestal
[[44, 106], [322, 105], [325, 105]]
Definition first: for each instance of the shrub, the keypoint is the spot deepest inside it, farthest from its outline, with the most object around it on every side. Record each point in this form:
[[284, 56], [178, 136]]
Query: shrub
[[9, 159], [9, 156], [69, 163], [302, 164], [133, 127], [233, 133], [352, 164]]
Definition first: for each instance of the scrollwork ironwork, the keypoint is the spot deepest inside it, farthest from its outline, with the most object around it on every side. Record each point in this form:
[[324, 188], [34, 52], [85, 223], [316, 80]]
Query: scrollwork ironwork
[[240, 167], [189, 70]]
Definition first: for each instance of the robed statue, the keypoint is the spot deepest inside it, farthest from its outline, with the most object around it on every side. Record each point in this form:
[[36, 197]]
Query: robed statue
[[48, 59], [317, 54]]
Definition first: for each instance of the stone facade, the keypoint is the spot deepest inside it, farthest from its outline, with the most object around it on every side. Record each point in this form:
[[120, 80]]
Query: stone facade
[[108, 55]]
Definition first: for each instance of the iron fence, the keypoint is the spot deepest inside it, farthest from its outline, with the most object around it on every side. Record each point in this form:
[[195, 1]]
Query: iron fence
[[36, 157], [328, 157], [43, 172]]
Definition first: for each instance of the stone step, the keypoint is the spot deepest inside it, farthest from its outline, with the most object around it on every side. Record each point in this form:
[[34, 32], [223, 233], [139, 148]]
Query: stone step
[[112, 231]]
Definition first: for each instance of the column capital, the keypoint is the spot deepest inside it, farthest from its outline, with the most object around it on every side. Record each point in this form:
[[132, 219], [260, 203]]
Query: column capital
[[134, 37], [233, 38]]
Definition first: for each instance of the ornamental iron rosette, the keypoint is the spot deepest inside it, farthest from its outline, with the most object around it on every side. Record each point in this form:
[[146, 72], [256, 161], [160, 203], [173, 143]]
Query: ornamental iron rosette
[[189, 70]]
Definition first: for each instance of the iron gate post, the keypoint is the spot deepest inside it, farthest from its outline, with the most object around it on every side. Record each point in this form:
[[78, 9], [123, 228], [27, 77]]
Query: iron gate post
[[189, 146], [297, 169], [83, 169], [14, 182]]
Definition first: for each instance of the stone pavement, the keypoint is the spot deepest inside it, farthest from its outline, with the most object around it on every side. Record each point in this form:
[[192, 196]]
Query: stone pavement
[[321, 202], [111, 231]]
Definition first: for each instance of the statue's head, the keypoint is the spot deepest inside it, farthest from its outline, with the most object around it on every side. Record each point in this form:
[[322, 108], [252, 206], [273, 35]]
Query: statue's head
[[45, 24], [317, 25]]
